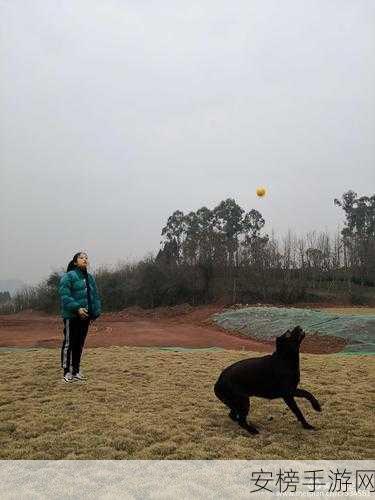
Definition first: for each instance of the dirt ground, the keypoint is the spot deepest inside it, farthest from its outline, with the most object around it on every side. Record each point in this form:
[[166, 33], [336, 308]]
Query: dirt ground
[[179, 326]]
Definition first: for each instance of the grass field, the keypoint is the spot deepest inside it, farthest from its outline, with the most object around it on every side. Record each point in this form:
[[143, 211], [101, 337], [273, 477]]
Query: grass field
[[147, 404]]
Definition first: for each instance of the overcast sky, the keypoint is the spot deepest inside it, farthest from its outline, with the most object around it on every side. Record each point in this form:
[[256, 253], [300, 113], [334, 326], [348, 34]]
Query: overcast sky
[[115, 113]]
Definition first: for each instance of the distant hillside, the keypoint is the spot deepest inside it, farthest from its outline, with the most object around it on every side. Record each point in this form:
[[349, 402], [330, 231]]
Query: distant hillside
[[12, 286]]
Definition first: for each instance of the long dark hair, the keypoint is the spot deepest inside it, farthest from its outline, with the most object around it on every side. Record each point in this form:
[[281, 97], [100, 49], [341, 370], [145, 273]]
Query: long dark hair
[[73, 262]]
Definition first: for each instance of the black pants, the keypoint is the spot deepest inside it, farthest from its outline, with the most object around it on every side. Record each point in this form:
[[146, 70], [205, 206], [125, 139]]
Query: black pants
[[75, 331]]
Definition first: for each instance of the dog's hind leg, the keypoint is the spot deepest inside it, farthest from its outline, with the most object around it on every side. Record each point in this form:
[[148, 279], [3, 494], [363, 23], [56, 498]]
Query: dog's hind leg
[[221, 391], [297, 412], [243, 411], [225, 394], [233, 415], [301, 393], [241, 406], [238, 404]]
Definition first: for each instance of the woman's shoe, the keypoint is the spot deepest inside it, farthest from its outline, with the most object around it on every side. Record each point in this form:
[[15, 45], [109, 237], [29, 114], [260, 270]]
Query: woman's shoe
[[68, 377]]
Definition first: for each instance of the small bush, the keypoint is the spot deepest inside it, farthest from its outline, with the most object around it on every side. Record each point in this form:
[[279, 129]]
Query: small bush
[[358, 298]]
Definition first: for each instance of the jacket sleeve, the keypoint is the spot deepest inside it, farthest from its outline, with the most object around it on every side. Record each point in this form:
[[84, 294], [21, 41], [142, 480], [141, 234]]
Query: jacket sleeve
[[65, 291]]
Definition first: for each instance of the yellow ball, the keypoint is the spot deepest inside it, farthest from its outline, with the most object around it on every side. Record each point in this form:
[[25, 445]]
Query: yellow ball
[[261, 191]]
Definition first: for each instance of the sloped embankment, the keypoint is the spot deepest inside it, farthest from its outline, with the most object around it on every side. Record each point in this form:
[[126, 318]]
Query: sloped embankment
[[265, 323]]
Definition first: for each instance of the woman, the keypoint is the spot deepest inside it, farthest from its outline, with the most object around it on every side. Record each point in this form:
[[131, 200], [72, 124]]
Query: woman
[[80, 304]]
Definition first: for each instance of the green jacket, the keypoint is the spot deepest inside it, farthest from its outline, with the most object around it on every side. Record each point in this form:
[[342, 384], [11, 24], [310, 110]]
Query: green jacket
[[73, 294]]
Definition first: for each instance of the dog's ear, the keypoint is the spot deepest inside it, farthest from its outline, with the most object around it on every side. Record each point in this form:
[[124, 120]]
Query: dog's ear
[[297, 329], [280, 338]]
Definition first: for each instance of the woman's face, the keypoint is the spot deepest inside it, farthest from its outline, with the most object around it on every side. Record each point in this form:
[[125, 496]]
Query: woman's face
[[82, 261]]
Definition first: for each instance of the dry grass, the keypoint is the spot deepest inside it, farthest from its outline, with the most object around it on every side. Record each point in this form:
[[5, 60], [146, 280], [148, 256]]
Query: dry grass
[[145, 404]]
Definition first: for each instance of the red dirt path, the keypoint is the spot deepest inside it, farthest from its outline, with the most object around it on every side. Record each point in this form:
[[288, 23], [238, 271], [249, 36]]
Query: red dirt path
[[180, 326]]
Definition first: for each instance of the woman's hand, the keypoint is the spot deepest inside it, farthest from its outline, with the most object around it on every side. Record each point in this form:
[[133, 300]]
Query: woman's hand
[[83, 313]]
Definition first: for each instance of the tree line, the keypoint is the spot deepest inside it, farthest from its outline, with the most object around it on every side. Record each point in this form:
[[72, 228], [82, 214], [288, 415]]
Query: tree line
[[4, 297], [223, 255]]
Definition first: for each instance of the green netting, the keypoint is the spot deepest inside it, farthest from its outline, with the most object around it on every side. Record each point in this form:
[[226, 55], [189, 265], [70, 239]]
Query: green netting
[[266, 323], [185, 349], [9, 349]]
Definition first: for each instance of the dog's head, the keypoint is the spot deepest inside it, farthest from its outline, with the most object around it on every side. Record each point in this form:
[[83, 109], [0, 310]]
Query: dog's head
[[290, 341]]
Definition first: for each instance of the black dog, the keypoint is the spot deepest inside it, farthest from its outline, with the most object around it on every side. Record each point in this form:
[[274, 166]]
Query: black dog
[[273, 376]]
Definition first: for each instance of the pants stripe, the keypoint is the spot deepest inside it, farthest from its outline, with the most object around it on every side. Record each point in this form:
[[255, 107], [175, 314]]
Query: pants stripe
[[67, 352]]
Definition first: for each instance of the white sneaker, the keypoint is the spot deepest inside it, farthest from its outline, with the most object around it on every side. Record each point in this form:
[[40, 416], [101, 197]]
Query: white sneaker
[[79, 376], [68, 377]]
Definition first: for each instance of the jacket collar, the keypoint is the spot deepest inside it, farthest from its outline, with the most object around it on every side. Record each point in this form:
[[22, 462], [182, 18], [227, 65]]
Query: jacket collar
[[79, 272]]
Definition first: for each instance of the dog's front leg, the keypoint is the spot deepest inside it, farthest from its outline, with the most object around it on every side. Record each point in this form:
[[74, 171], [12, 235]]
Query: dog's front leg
[[297, 412], [301, 393]]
